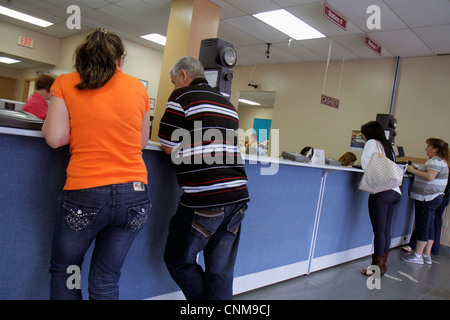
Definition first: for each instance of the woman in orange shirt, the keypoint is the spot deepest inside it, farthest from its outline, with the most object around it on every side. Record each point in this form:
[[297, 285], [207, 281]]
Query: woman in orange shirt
[[103, 114]]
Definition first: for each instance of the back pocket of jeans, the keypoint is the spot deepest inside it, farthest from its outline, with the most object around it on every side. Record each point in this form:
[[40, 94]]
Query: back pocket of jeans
[[236, 220], [137, 215], [206, 221], [79, 217]]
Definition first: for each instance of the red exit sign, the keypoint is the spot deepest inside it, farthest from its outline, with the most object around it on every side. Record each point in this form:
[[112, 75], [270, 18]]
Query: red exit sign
[[335, 16], [26, 42]]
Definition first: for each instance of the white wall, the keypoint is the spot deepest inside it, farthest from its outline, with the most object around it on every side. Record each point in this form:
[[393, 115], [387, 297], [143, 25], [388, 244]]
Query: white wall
[[422, 106]]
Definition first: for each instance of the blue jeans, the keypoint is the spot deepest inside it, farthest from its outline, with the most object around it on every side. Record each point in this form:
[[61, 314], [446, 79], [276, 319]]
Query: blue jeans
[[112, 215], [381, 210], [424, 214], [216, 231]]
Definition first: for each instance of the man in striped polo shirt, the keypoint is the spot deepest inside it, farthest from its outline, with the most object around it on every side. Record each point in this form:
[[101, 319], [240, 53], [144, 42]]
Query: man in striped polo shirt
[[199, 131]]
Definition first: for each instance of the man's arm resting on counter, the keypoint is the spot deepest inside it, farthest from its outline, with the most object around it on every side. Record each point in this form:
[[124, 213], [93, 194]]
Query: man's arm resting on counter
[[56, 128]]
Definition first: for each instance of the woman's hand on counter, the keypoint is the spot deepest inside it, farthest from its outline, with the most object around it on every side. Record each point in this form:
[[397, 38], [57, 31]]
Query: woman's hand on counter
[[425, 175]]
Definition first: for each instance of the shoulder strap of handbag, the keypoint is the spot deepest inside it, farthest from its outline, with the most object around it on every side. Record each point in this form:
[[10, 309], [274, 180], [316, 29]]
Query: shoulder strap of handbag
[[380, 153]]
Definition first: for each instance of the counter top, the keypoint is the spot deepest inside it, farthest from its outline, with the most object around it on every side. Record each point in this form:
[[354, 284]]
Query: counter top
[[271, 160], [157, 147], [151, 145]]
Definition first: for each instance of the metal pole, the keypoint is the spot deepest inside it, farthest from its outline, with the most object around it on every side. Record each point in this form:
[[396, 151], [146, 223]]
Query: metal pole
[[394, 89]]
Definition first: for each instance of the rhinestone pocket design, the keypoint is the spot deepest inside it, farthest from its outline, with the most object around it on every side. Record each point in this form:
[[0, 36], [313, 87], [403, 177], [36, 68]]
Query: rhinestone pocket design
[[79, 219], [137, 216]]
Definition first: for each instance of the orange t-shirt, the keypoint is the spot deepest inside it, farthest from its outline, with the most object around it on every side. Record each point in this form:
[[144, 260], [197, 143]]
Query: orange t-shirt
[[105, 130]]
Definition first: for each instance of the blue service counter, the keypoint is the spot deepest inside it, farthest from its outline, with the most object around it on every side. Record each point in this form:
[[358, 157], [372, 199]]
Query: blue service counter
[[302, 219]]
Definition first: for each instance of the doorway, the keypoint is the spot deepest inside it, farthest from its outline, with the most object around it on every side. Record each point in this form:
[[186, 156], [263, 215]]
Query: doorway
[[8, 88], [262, 128]]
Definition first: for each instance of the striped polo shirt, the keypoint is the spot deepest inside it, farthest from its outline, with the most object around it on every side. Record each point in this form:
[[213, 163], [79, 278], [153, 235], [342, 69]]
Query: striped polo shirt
[[424, 190], [201, 126]]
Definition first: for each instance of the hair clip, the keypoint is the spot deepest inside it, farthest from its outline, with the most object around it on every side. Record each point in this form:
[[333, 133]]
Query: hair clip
[[104, 31]]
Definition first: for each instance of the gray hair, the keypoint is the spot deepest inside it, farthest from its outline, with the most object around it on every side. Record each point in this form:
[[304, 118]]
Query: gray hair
[[191, 65]]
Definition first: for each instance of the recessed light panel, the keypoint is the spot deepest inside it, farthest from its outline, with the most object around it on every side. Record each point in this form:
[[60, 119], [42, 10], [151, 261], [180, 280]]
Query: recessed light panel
[[289, 24], [155, 37], [249, 102], [8, 60], [24, 17]]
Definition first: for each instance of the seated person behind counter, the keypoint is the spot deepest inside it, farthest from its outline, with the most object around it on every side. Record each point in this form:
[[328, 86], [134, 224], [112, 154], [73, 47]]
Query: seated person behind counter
[[37, 103], [254, 147], [347, 159], [307, 152]]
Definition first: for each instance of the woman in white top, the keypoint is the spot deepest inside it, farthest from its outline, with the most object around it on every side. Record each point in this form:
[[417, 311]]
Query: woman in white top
[[382, 204]]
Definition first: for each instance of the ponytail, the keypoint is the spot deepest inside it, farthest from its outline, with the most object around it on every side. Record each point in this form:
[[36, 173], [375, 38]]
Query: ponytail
[[95, 59]]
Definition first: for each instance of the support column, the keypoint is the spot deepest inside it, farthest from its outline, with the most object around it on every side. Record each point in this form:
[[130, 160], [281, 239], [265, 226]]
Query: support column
[[190, 22]]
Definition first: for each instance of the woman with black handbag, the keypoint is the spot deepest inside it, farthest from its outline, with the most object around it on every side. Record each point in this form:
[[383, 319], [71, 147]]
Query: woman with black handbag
[[381, 204]]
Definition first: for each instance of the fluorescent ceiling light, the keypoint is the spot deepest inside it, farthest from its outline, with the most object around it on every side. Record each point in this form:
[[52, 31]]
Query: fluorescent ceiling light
[[155, 38], [289, 24], [8, 60], [249, 102], [24, 17]]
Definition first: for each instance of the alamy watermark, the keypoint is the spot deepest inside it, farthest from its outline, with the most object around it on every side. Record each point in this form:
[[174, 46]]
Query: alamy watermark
[[374, 20], [74, 20], [212, 145], [374, 281], [74, 280]]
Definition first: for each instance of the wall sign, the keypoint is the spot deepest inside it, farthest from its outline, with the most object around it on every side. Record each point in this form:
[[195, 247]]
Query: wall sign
[[329, 101], [25, 42], [335, 16], [372, 45]]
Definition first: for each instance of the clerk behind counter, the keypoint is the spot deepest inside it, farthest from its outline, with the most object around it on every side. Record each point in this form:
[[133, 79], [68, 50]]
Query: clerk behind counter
[[37, 103]]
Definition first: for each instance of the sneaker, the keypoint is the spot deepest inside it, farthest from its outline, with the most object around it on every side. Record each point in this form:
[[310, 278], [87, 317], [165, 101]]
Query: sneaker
[[427, 259], [413, 258]]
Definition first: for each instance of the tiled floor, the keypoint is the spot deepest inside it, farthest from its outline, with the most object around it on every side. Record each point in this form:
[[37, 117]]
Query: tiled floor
[[402, 281]]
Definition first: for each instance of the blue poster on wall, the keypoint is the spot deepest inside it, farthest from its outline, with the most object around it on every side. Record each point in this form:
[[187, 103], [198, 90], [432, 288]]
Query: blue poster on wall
[[262, 128]]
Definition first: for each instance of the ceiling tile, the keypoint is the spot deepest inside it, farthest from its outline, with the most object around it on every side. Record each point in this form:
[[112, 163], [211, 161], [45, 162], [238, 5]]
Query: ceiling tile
[[321, 47], [403, 43], [136, 6], [250, 57], [257, 28], [297, 50], [235, 36], [254, 6], [356, 12], [420, 13], [277, 53], [437, 38], [291, 3], [227, 10]]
